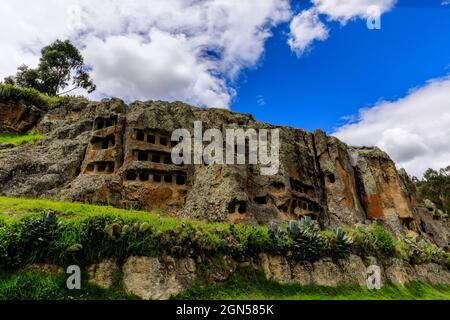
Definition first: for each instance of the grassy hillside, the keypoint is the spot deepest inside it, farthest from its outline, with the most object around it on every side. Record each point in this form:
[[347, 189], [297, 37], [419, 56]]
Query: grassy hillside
[[17, 139]]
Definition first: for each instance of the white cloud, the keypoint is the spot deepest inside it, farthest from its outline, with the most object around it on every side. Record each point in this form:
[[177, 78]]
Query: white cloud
[[344, 10], [147, 49], [414, 130], [306, 27]]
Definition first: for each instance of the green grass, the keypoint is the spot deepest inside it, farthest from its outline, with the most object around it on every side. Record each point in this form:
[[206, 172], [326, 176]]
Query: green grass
[[18, 139], [45, 286], [248, 285]]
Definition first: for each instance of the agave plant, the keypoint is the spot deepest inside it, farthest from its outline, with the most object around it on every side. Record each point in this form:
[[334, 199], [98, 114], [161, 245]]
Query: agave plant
[[308, 245], [340, 246], [273, 228], [49, 219], [293, 228], [308, 242]]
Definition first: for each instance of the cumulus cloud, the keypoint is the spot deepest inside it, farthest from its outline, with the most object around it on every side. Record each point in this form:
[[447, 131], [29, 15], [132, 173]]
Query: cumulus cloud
[[414, 130], [187, 50], [307, 27], [345, 10]]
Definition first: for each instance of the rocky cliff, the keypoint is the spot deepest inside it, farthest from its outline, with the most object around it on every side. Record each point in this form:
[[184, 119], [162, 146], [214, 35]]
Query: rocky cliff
[[111, 153]]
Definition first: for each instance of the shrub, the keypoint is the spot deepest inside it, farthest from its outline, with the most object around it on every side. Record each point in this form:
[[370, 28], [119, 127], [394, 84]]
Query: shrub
[[13, 93], [372, 241]]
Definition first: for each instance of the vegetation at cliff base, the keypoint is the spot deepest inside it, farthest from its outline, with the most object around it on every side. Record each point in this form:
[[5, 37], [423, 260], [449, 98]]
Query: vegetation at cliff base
[[64, 233], [243, 285], [18, 139], [44, 231], [247, 285], [45, 286]]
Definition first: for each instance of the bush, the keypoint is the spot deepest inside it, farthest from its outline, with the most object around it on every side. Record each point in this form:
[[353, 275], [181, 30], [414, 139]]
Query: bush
[[422, 252], [13, 93], [372, 241]]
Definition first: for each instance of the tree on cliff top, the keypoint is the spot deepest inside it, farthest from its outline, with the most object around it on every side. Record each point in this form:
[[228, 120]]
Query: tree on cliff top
[[435, 186], [61, 64]]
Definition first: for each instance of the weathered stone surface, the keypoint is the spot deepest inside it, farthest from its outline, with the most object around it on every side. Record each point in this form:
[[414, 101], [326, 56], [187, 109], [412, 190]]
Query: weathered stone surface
[[276, 268], [44, 267], [432, 273], [353, 270], [302, 273], [336, 163], [382, 191], [327, 273], [157, 277], [102, 274], [110, 153], [400, 272], [18, 117], [6, 145], [434, 224], [219, 270]]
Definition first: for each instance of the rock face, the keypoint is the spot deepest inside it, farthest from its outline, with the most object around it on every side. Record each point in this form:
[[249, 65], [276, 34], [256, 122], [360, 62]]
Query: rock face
[[157, 277], [353, 270], [110, 153], [18, 117]]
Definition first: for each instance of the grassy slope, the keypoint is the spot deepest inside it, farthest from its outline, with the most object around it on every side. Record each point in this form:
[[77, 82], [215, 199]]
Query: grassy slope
[[247, 285], [30, 138], [43, 286], [243, 285]]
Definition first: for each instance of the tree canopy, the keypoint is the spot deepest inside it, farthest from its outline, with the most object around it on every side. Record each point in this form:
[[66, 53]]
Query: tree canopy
[[61, 65], [435, 186]]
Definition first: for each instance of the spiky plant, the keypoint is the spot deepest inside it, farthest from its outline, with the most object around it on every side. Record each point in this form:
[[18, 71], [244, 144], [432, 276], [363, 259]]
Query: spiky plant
[[340, 246]]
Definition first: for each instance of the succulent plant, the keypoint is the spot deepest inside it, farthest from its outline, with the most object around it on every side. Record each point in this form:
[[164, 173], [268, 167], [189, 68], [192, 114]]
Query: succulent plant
[[113, 230], [273, 228], [49, 219], [126, 229], [340, 246], [293, 228], [144, 227]]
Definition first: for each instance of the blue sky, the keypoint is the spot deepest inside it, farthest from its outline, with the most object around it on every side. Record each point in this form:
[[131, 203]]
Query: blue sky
[[354, 68]]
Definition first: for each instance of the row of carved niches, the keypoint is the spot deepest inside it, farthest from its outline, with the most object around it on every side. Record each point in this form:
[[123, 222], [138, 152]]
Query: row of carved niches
[[100, 167], [99, 143], [300, 187], [154, 138], [153, 156], [176, 179], [301, 207], [105, 122]]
